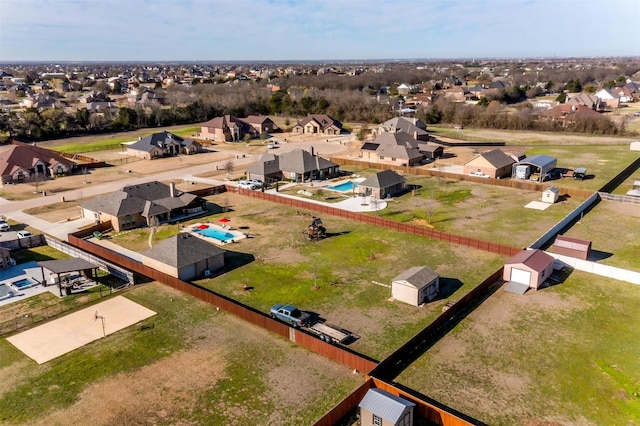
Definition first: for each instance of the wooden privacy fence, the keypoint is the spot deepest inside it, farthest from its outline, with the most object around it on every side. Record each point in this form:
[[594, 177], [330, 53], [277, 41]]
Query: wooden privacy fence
[[339, 354], [391, 366], [505, 183], [495, 248]]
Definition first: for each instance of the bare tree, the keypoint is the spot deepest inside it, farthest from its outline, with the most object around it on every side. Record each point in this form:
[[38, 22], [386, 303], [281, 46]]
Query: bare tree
[[228, 167], [153, 224], [36, 180]]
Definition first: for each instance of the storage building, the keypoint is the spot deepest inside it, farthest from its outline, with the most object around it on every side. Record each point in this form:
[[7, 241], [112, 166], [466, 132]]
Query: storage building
[[416, 285], [572, 247], [381, 408], [527, 269], [535, 167], [184, 256], [550, 195]]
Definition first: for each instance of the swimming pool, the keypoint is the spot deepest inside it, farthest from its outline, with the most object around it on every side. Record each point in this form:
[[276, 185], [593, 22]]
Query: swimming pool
[[344, 187], [215, 233], [23, 283]]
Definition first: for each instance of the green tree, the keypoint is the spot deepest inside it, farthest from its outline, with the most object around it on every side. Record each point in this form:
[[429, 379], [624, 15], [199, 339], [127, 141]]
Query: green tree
[[81, 118], [574, 86], [562, 97], [483, 101], [549, 85]]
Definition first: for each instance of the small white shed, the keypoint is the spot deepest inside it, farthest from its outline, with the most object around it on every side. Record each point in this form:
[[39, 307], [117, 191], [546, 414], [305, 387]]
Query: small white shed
[[381, 408], [416, 285], [550, 195], [635, 146]]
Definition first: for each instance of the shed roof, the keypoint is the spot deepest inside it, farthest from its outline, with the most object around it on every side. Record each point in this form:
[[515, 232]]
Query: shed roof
[[385, 405], [383, 179], [536, 259], [61, 266], [572, 243], [418, 276], [182, 250], [553, 189], [540, 160]]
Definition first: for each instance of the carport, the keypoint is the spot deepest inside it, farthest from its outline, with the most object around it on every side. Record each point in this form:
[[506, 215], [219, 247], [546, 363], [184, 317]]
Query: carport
[[540, 165], [64, 266]]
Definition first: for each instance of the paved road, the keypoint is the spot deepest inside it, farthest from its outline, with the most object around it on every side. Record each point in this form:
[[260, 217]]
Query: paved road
[[14, 209]]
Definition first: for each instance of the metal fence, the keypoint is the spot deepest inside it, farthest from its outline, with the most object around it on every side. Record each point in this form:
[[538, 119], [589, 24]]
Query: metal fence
[[33, 317], [505, 183], [619, 198], [114, 269]]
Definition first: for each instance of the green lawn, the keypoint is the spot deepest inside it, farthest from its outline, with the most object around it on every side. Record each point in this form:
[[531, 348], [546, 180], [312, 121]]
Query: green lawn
[[188, 365], [112, 141], [485, 212], [563, 355], [613, 230], [333, 277], [603, 162]]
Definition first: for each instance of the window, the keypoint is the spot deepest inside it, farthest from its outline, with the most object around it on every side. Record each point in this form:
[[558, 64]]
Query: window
[[377, 421], [393, 158]]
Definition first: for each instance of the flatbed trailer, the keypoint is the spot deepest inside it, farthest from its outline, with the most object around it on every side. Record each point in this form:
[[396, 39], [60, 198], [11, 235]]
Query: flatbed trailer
[[330, 333]]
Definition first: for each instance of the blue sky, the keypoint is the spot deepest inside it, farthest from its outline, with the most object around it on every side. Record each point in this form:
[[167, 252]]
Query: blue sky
[[219, 30]]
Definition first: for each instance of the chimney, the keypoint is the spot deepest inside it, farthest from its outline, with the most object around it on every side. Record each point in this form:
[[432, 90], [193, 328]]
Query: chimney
[[172, 189]]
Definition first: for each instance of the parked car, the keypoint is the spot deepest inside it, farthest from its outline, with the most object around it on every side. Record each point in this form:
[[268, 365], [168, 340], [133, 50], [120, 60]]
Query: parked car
[[24, 234], [291, 315], [247, 185], [478, 174], [257, 182], [4, 226]]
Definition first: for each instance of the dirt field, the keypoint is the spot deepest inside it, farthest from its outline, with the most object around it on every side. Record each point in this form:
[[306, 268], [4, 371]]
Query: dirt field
[[544, 358], [191, 367]]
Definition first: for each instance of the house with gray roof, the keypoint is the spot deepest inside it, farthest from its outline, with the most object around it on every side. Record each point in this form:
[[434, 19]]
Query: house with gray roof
[[411, 126], [144, 204], [162, 144], [298, 165], [399, 149], [184, 256], [381, 408], [382, 185]]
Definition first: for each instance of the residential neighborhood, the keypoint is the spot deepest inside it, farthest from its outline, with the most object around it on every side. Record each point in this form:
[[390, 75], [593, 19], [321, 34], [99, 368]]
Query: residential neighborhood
[[204, 219]]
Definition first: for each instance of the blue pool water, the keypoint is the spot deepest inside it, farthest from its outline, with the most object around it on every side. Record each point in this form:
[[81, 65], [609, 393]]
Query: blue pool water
[[344, 187], [23, 283], [215, 233]]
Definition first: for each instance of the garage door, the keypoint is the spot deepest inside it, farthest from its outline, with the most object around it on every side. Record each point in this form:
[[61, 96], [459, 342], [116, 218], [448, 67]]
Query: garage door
[[520, 276]]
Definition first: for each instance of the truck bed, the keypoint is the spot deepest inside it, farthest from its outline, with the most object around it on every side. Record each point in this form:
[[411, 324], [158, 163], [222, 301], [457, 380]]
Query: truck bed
[[327, 331]]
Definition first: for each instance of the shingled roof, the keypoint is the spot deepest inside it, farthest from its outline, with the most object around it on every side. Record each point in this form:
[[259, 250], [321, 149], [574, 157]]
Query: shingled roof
[[148, 199], [25, 157], [160, 140], [182, 250], [301, 161], [383, 179]]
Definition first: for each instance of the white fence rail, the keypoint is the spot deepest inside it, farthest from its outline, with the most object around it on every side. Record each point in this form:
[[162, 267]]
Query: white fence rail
[[632, 277]]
